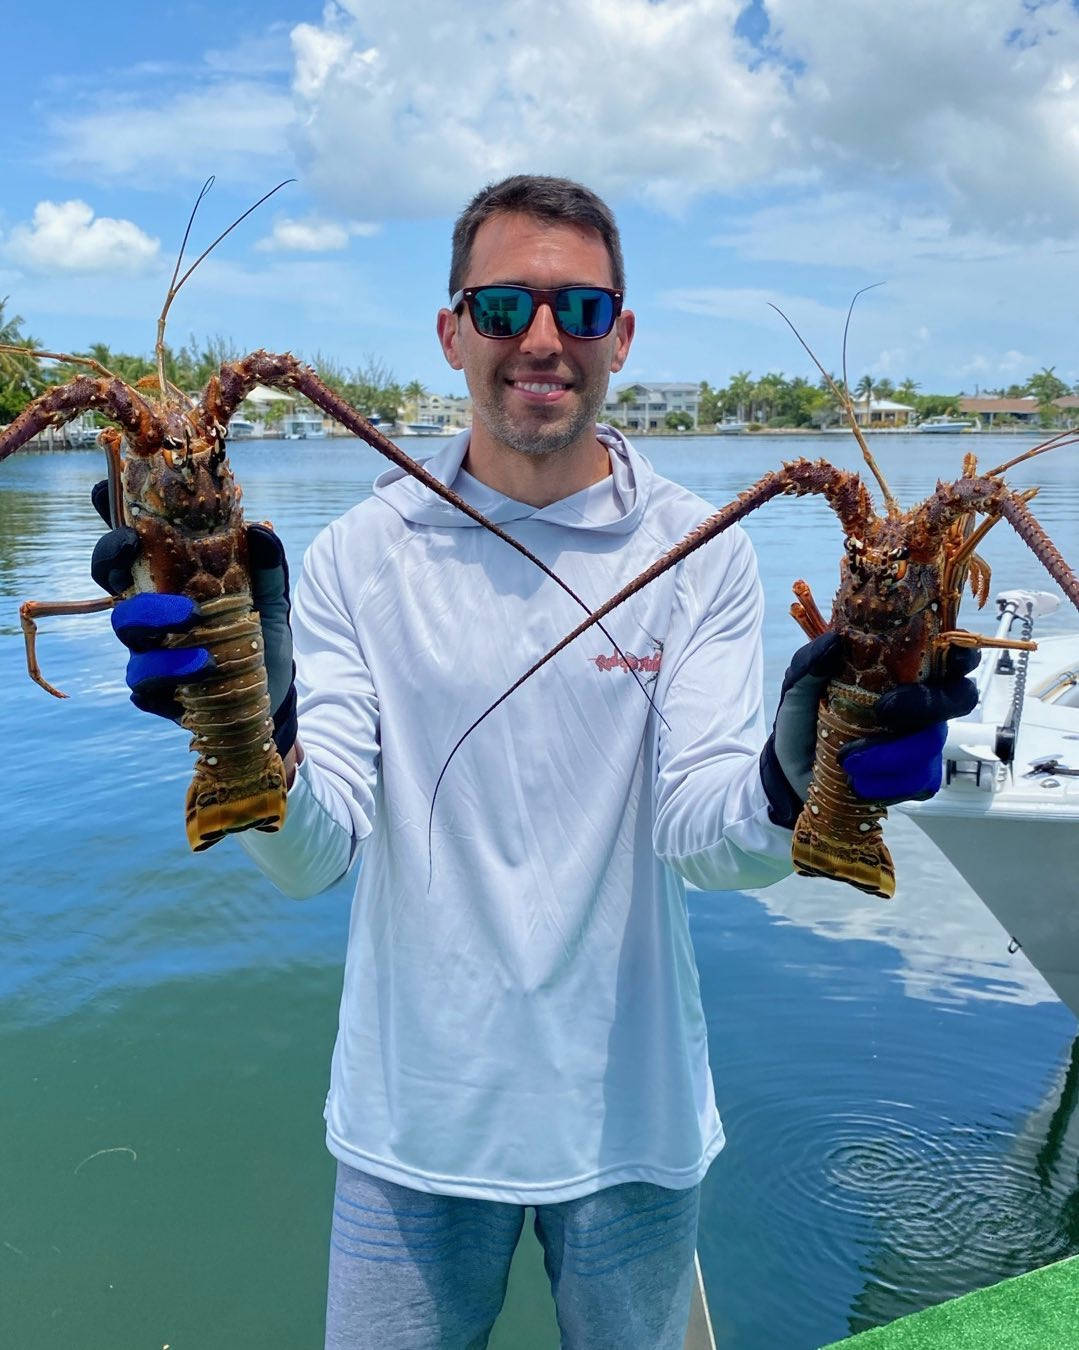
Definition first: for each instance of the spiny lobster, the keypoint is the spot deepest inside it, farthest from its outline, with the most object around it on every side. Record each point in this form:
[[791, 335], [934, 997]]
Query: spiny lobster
[[170, 479], [896, 609]]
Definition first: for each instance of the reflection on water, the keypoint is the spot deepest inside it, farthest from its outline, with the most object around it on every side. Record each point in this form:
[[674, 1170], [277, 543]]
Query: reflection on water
[[896, 1087]]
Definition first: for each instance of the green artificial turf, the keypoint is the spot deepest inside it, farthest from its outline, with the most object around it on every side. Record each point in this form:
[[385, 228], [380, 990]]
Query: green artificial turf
[[1039, 1311]]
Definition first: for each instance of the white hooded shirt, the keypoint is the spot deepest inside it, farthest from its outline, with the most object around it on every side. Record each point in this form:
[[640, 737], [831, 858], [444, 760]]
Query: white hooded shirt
[[522, 1022]]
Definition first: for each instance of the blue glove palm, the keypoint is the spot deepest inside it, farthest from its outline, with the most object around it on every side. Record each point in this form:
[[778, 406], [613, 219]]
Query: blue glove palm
[[903, 763], [144, 621]]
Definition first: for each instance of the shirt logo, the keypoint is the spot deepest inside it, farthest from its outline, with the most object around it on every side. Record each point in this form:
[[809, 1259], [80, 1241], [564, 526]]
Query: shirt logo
[[647, 665]]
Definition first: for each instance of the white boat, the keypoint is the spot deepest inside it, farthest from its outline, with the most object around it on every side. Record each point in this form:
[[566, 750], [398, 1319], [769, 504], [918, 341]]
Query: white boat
[[945, 425], [303, 427], [241, 429], [1007, 817], [428, 429]]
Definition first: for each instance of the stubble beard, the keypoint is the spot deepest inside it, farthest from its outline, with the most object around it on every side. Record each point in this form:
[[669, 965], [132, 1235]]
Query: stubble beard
[[537, 439]]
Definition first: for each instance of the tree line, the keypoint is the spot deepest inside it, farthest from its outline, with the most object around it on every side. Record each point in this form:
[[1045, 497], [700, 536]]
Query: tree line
[[371, 387], [774, 400]]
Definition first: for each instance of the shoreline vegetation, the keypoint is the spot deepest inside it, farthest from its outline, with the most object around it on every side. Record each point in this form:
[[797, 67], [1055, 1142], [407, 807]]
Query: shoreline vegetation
[[772, 404]]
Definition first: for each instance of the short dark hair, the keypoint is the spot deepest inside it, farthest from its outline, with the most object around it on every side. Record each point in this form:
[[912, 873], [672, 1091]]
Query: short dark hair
[[555, 201]]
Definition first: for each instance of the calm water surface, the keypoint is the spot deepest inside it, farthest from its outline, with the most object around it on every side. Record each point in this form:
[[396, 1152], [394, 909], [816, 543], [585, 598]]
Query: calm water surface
[[898, 1091]]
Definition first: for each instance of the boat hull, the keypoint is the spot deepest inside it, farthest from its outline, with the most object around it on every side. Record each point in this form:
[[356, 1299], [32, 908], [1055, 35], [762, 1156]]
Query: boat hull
[[1017, 868]]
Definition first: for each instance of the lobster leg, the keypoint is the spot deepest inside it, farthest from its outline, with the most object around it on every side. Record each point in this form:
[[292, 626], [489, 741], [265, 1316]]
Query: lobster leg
[[44, 609], [805, 612], [1016, 512], [66, 401]]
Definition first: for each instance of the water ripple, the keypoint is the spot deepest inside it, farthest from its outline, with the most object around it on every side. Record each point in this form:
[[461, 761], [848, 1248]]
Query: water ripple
[[951, 1199]]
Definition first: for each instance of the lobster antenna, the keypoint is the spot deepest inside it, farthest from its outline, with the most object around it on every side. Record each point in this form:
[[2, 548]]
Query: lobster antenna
[[846, 327], [58, 356], [174, 285], [159, 345], [1067, 437], [844, 398]]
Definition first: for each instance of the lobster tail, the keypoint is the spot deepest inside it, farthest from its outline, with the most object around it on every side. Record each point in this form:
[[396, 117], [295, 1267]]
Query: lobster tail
[[838, 835], [239, 781]]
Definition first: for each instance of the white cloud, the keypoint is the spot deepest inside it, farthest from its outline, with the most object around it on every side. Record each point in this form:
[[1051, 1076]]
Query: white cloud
[[749, 305], [314, 235], [942, 106], [999, 363], [238, 129], [975, 100], [645, 99], [857, 228], [956, 125], [65, 236]]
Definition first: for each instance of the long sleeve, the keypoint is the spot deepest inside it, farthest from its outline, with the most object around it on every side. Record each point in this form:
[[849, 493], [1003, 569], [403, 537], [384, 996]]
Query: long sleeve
[[331, 804], [711, 821]]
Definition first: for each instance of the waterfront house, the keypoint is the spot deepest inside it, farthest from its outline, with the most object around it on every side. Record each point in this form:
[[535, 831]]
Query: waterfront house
[[882, 412], [444, 410], [989, 410], [645, 407]]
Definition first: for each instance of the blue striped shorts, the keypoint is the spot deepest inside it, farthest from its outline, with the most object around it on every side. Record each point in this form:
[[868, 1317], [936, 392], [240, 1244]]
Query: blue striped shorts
[[414, 1271]]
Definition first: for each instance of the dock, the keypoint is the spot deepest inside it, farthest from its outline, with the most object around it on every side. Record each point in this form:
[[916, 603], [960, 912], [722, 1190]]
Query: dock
[[1037, 1311]]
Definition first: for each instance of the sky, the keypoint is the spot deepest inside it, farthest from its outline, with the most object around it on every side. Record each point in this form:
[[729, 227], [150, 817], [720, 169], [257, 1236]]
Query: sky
[[783, 151]]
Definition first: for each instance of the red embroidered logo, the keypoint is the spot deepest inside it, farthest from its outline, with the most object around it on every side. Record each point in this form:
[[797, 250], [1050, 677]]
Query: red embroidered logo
[[648, 665], [628, 662]]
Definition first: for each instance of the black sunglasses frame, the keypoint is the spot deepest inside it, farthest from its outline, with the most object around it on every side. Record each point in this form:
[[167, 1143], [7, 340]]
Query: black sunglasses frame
[[467, 296]]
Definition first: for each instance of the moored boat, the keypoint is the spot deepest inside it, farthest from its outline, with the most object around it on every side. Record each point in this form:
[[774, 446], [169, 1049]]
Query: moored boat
[[1007, 817], [303, 427], [945, 425]]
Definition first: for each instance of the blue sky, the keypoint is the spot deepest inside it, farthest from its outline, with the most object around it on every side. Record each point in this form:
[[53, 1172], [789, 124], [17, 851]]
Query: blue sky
[[783, 150]]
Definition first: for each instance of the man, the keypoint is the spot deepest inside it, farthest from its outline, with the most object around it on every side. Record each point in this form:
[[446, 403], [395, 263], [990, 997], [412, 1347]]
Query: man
[[524, 1027]]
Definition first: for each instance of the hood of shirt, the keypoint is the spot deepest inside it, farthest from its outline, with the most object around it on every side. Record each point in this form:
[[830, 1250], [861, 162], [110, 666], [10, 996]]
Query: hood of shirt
[[614, 505]]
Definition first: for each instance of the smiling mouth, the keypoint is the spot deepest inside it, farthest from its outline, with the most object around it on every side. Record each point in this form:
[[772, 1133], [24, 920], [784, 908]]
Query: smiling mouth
[[540, 389]]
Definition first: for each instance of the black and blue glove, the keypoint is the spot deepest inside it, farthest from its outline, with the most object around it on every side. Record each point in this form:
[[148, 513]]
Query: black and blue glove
[[903, 763], [144, 621]]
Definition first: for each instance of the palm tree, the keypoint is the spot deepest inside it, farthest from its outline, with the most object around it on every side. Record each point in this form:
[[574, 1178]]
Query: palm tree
[[864, 389], [625, 397], [20, 376], [414, 391], [739, 392], [766, 393], [1046, 386]]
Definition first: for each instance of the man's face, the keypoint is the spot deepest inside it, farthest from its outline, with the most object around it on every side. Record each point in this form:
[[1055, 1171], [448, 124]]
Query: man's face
[[540, 392]]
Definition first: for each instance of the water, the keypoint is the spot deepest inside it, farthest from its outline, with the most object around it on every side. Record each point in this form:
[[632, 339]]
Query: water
[[895, 1086]]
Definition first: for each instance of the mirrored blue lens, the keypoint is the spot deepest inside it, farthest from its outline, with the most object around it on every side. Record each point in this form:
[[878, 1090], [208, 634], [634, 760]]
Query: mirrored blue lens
[[501, 311], [584, 312]]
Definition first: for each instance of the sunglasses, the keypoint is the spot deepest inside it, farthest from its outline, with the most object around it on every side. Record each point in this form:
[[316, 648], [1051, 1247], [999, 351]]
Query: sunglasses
[[584, 312]]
